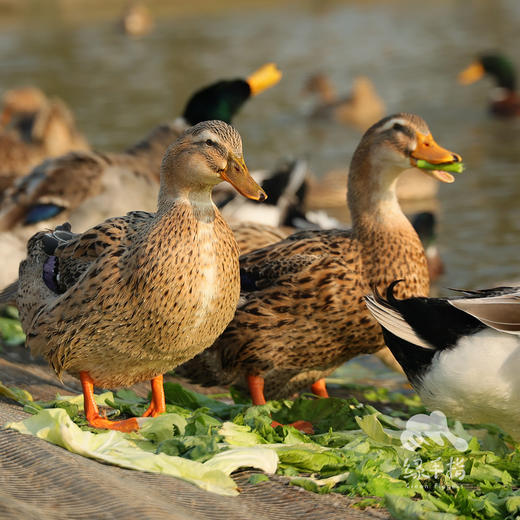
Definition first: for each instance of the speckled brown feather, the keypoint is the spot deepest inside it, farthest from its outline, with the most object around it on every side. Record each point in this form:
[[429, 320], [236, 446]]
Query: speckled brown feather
[[301, 312], [149, 290], [253, 236]]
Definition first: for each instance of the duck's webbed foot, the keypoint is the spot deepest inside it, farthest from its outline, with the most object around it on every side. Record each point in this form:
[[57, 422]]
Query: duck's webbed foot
[[92, 412]]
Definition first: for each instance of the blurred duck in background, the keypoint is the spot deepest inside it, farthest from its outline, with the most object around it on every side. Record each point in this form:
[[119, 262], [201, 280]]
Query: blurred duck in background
[[505, 101], [361, 108], [94, 304], [137, 19], [33, 127], [87, 187], [462, 355]]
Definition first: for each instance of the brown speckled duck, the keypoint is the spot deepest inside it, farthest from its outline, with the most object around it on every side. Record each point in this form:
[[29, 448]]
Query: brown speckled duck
[[33, 127], [301, 312], [137, 295], [361, 108]]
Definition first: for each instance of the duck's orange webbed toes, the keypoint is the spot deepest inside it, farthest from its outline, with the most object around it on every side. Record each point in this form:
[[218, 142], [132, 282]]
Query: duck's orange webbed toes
[[92, 412], [303, 426], [126, 426]]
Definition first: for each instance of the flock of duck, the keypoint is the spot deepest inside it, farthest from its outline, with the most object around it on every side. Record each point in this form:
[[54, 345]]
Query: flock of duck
[[268, 308]]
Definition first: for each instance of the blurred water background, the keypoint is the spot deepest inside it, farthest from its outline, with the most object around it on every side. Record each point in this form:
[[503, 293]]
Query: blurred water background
[[120, 87]]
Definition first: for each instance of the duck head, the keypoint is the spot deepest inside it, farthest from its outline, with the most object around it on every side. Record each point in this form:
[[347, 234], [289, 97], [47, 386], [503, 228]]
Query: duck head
[[24, 101], [223, 99], [395, 144], [205, 155], [401, 141], [494, 64]]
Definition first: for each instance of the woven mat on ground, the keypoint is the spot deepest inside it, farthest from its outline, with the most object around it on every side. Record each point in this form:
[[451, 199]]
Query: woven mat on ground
[[41, 481]]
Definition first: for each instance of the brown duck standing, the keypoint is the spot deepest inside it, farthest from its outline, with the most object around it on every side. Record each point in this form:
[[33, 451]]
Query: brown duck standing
[[301, 312], [137, 295]]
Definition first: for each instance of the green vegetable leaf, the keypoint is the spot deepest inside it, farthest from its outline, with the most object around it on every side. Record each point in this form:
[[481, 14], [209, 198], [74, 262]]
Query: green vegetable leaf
[[256, 478], [457, 167], [10, 328], [113, 447]]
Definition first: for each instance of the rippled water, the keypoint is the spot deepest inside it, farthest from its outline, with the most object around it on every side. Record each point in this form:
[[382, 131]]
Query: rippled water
[[120, 87]]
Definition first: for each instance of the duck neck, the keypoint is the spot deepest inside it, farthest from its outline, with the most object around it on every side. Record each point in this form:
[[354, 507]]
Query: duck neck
[[371, 197], [197, 198], [505, 77], [389, 245]]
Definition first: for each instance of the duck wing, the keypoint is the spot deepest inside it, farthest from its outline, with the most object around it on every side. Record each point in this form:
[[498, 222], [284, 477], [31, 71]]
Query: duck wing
[[258, 277], [498, 308], [52, 187]]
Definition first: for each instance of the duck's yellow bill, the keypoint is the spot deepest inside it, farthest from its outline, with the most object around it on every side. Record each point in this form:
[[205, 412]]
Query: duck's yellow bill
[[264, 78], [471, 74], [237, 174]]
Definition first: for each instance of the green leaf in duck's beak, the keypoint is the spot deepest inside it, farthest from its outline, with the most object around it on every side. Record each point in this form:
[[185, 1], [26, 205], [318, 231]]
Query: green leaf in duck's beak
[[237, 174], [441, 170], [435, 160]]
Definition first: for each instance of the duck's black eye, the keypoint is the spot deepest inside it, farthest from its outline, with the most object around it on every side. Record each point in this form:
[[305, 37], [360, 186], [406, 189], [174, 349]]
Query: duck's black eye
[[398, 127], [210, 142]]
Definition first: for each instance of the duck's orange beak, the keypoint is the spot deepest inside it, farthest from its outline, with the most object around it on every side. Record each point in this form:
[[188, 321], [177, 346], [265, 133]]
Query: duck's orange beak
[[471, 74], [237, 174], [264, 78], [428, 150]]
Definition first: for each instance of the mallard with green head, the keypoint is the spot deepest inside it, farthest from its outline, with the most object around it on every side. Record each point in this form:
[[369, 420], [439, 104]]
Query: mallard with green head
[[505, 101]]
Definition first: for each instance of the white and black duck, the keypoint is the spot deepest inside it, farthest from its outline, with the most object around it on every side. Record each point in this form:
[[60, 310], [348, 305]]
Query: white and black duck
[[462, 354]]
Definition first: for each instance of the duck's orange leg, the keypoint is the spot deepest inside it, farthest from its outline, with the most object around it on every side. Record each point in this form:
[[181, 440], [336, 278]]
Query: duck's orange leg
[[319, 388], [92, 412], [256, 389], [158, 404]]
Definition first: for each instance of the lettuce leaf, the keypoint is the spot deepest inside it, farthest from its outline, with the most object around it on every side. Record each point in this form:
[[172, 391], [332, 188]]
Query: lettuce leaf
[[113, 447]]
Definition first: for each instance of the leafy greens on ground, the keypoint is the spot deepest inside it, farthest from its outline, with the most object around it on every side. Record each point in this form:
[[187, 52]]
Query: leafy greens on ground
[[355, 450]]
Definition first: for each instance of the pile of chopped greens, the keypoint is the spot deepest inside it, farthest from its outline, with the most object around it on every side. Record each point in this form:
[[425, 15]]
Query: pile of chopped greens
[[355, 450]]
